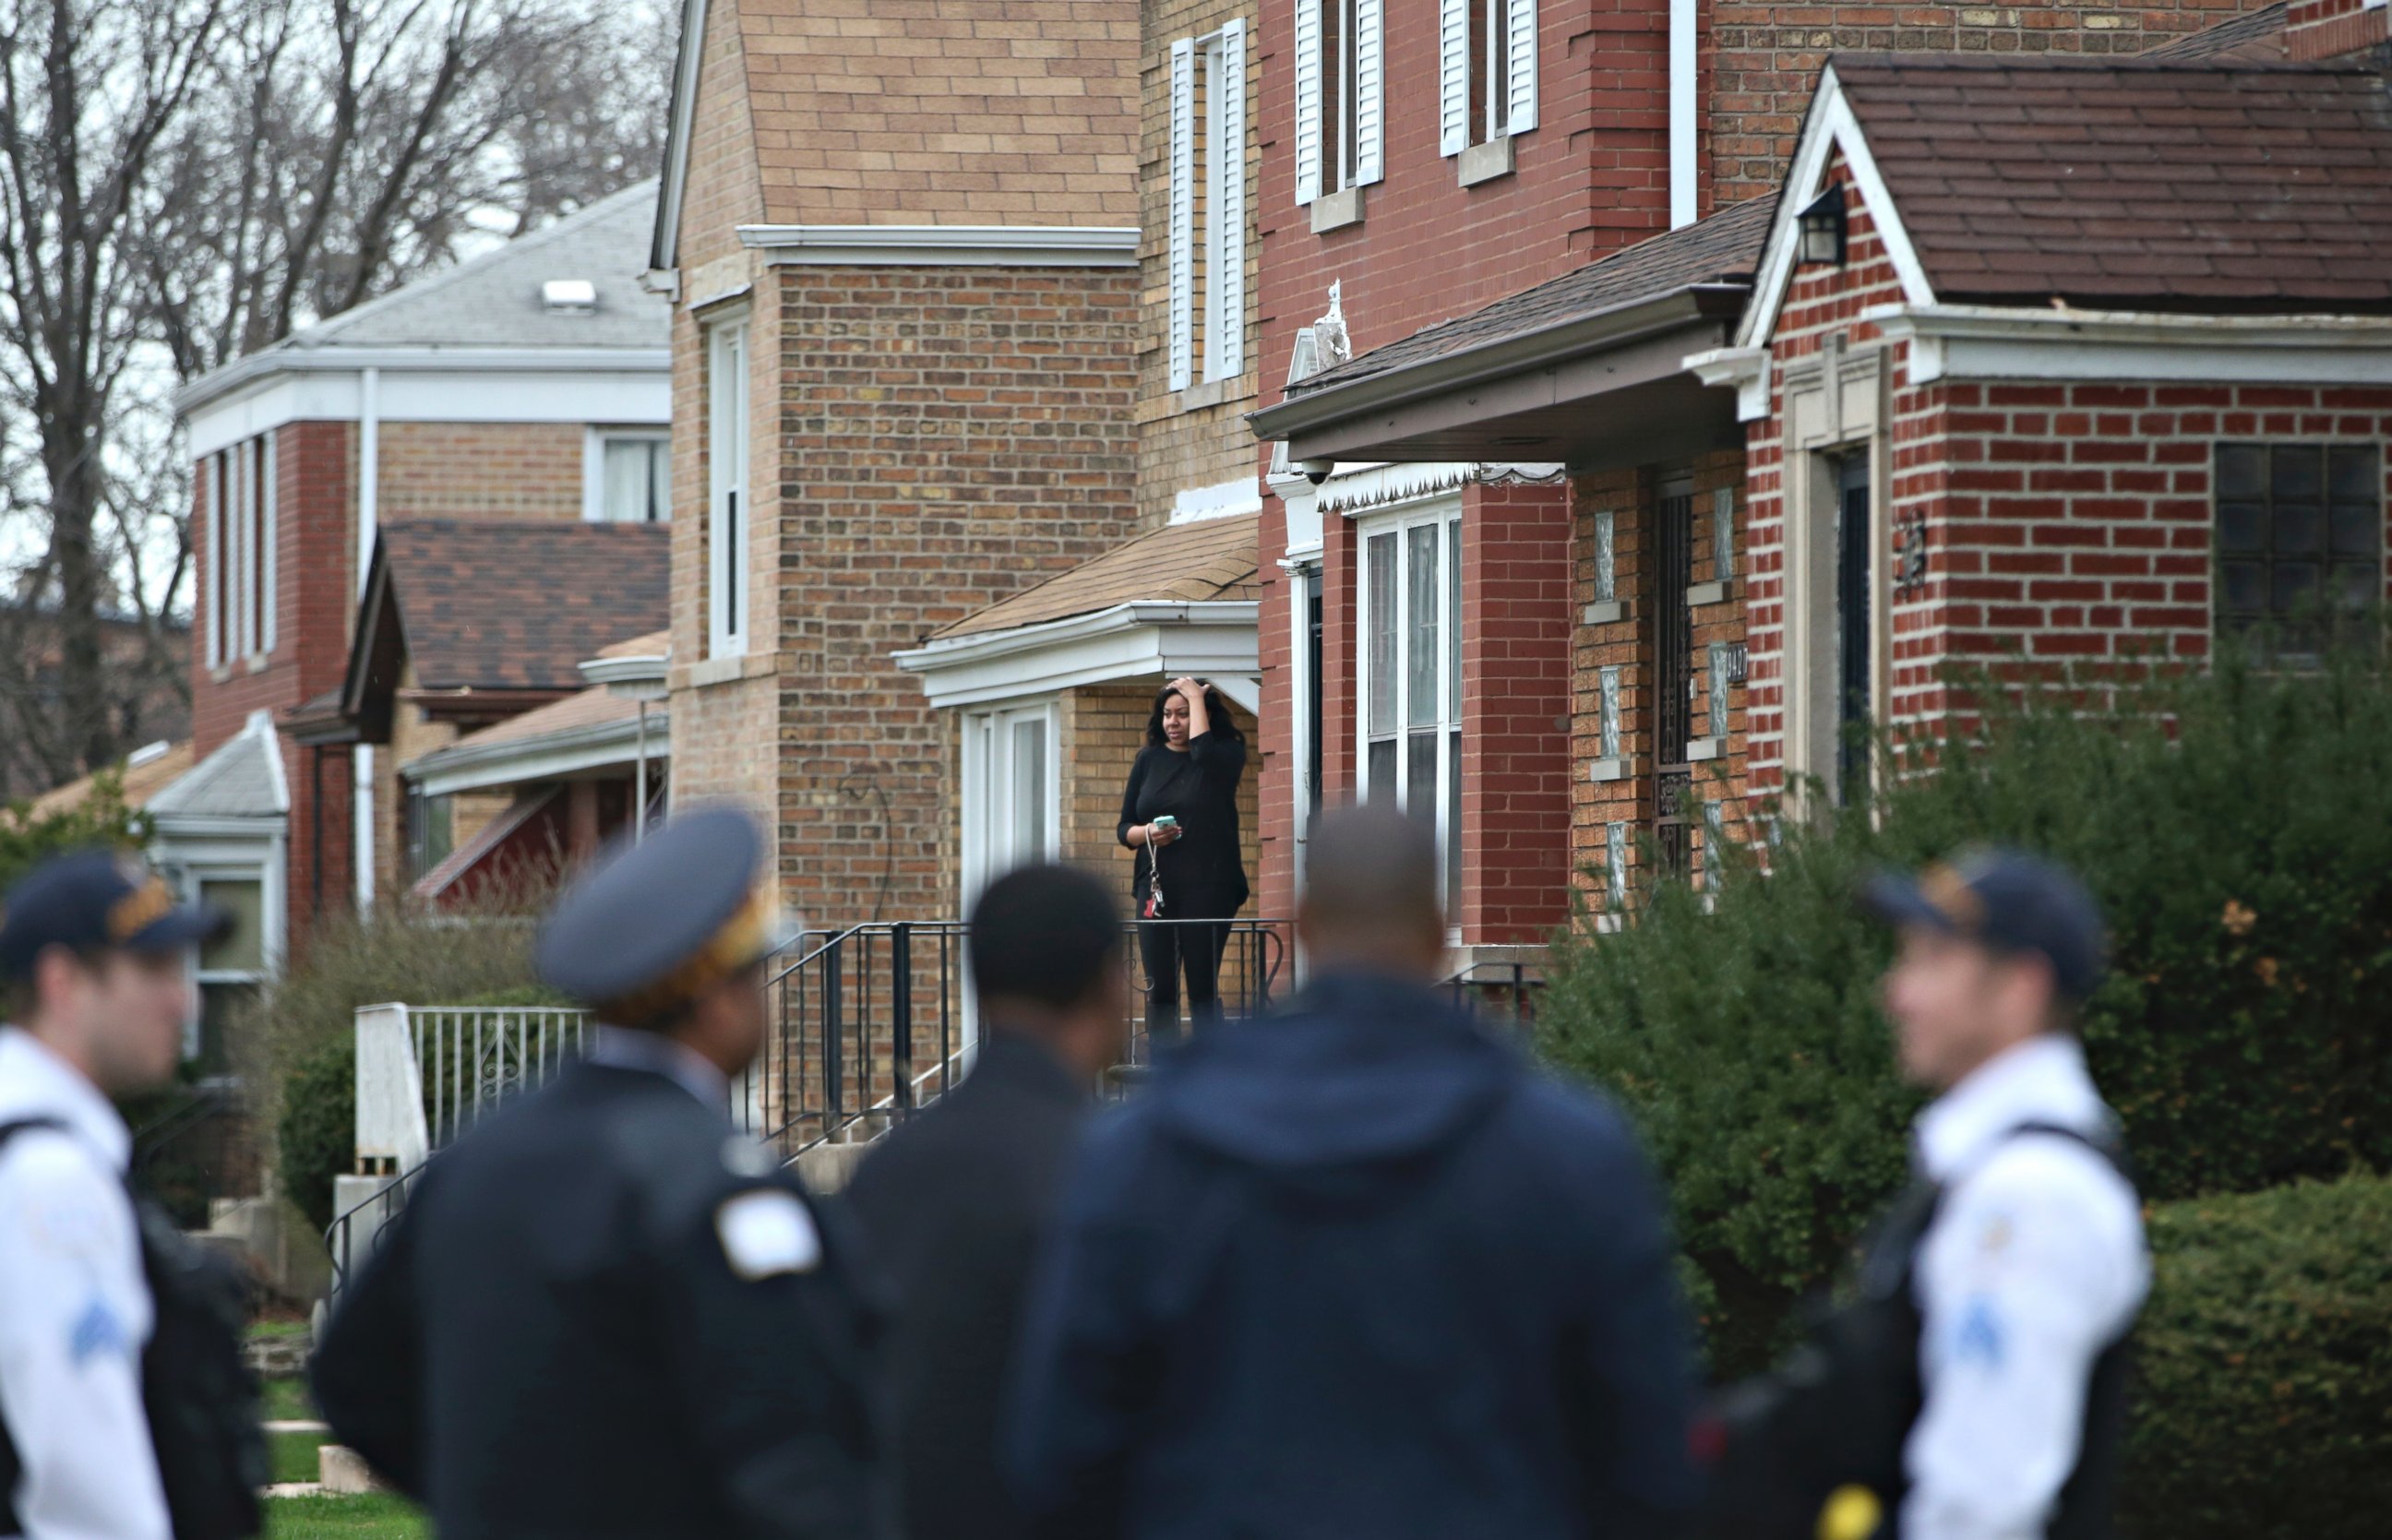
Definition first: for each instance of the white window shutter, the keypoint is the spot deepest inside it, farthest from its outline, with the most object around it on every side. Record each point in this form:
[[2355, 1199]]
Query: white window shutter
[[1452, 76], [270, 501], [1369, 93], [215, 581], [1520, 25], [1307, 100], [1225, 341], [1183, 209]]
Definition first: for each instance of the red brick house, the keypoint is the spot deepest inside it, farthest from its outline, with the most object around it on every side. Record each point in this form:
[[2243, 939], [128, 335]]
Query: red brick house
[[2087, 356]]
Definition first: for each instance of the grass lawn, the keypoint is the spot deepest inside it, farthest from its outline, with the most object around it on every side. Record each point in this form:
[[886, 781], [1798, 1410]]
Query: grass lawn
[[278, 1328], [286, 1401], [376, 1516], [293, 1455]]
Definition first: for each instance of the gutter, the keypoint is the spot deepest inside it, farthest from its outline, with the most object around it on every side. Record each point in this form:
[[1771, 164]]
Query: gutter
[[1625, 322], [333, 357], [981, 646], [453, 767]]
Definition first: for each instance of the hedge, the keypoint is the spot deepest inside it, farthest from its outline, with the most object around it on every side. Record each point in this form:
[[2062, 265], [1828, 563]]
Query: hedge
[[2264, 1368], [2237, 827]]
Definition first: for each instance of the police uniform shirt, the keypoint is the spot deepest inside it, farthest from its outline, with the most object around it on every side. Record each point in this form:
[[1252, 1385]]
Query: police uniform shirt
[[2035, 1264], [74, 1310]]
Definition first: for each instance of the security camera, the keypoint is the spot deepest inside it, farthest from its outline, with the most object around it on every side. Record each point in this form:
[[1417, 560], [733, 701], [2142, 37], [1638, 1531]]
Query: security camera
[[1316, 471]]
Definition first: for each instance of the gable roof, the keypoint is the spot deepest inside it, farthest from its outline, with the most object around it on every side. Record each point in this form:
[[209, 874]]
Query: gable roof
[[1204, 560], [502, 604], [1720, 249], [141, 778], [241, 779]]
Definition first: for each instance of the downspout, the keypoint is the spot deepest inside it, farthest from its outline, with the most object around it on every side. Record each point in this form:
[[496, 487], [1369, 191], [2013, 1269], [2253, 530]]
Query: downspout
[[640, 792], [1682, 144], [369, 489]]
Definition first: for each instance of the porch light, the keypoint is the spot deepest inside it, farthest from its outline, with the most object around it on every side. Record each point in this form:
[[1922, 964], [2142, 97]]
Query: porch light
[[1823, 227]]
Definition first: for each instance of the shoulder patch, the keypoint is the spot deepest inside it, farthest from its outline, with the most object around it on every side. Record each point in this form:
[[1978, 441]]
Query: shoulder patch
[[766, 1231]]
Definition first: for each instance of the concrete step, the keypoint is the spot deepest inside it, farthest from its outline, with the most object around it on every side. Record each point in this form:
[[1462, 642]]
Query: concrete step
[[344, 1470]]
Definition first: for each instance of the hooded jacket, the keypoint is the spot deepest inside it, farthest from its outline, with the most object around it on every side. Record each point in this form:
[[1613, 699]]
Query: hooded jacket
[[1357, 1270]]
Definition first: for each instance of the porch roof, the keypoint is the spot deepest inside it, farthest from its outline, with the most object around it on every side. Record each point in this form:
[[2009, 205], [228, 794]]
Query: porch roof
[[1579, 368], [597, 729], [1201, 561]]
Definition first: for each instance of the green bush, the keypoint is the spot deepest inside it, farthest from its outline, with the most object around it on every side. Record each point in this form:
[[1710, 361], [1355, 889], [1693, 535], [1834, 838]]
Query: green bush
[[2264, 1360], [299, 1042], [2237, 827], [27, 838]]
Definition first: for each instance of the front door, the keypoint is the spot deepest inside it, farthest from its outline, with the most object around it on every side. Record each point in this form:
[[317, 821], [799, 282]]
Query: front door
[[1673, 674], [1854, 646]]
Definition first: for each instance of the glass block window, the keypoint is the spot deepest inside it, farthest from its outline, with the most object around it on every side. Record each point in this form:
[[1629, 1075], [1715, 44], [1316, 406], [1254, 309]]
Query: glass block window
[[2300, 540]]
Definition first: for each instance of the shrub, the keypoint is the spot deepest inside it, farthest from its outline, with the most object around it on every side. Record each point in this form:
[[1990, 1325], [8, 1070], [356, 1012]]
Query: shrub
[[2263, 1403], [2236, 826], [101, 817], [299, 1041]]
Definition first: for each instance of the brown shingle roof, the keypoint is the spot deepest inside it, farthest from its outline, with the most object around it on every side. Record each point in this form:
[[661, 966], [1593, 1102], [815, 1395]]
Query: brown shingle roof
[[2189, 187], [1721, 248], [1210, 559], [142, 781], [520, 604], [2256, 37], [594, 707]]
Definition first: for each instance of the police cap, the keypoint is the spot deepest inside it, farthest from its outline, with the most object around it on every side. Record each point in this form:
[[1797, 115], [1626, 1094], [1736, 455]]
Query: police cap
[[2008, 901], [654, 924], [99, 901]]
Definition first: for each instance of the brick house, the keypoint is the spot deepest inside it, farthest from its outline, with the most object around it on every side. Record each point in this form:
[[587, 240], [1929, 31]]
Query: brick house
[[530, 382], [902, 250], [1049, 691], [2000, 416]]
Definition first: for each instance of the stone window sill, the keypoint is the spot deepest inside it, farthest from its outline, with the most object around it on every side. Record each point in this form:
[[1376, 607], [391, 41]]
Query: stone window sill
[[1604, 612], [1211, 393], [1485, 162], [1699, 749], [1708, 593], [725, 670], [1336, 211], [1609, 769]]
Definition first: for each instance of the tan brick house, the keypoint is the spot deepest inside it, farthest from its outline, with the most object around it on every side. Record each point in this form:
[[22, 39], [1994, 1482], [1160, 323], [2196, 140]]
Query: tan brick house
[[903, 249]]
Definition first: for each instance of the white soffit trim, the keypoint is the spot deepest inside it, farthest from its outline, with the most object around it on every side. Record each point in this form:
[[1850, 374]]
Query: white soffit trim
[[1141, 639], [1745, 368], [1830, 127], [1974, 342], [1354, 488], [945, 245], [664, 252], [627, 387], [1224, 501], [549, 757]]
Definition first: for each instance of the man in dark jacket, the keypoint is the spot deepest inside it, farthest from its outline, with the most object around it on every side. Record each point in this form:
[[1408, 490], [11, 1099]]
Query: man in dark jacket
[[1358, 1270], [603, 1314], [952, 1205]]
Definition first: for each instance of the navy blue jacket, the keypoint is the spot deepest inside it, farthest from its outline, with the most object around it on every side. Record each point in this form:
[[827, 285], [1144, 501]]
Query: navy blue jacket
[[1357, 1271]]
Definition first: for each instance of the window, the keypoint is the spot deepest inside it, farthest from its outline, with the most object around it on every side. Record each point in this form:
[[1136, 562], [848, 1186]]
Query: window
[[1010, 812], [1208, 207], [1486, 71], [1409, 612], [727, 542], [629, 478], [1337, 95], [431, 831], [230, 971], [241, 580], [2300, 540]]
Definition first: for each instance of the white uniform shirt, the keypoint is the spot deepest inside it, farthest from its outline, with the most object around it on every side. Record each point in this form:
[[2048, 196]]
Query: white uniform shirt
[[2035, 1265], [74, 1310]]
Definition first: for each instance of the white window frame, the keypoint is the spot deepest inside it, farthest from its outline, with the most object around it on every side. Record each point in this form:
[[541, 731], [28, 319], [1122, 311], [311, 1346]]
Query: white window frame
[[593, 467], [221, 864], [1511, 41], [729, 550], [269, 563], [243, 575], [988, 792], [1324, 150], [1213, 332], [1445, 515], [212, 477]]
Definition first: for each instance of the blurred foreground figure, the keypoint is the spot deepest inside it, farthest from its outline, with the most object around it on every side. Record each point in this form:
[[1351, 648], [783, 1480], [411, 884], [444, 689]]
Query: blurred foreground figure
[[1358, 1270], [604, 1313], [127, 1412], [1975, 1387], [954, 1203]]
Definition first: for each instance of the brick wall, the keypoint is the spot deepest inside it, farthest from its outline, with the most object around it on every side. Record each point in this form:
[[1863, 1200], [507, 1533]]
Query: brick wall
[[1763, 60], [948, 437], [1004, 112], [2326, 28], [467, 470], [1196, 438]]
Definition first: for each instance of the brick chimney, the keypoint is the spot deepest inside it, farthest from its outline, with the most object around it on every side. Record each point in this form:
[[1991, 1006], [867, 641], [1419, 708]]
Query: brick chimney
[[2328, 29]]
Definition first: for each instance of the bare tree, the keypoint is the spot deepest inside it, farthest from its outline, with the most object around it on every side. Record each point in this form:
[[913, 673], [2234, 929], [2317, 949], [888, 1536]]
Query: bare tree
[[187, 181]]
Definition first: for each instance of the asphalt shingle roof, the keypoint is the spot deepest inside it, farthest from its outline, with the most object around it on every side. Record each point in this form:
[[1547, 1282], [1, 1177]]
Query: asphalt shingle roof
[[240, 779], [2190, 187], [520, 604], [494, 300], [1722, 249], [1208, 559]]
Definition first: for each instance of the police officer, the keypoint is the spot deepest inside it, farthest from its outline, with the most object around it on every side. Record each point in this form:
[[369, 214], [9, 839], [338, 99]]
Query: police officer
[[93, 958], [1975, 1387], [604, 1313]]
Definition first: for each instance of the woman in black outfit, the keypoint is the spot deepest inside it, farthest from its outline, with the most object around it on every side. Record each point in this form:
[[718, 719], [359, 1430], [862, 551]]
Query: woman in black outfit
[[1189, 770]]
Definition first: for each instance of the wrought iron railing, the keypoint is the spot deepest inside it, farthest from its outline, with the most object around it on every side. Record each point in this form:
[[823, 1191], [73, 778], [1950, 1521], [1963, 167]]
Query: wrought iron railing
[[472, 1057], [1506, 990]]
